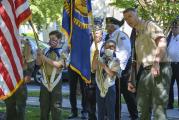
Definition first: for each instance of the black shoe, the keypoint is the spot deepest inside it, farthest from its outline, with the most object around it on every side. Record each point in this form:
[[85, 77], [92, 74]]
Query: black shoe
[[83, 115], [73, 116]]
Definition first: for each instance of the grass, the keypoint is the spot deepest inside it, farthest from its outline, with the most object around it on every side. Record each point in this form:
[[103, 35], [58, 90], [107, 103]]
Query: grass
[[37, 93], [33, 113], [33, 93], [2, 107]]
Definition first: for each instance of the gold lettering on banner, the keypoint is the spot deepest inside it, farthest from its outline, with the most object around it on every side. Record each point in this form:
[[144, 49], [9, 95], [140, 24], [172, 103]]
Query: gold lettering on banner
[[81, 6]]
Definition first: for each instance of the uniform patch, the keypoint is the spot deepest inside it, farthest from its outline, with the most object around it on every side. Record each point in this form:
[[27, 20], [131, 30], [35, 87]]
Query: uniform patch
[[123, 38]]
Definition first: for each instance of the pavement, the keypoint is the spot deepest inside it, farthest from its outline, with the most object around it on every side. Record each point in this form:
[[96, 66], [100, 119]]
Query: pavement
[[173, 114]]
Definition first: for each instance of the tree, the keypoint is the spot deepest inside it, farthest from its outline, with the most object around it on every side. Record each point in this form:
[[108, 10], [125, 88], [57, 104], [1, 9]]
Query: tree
[[46, 11], [161, 11]]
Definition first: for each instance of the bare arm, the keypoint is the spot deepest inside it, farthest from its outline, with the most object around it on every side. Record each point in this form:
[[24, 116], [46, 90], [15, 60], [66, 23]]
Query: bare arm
[[57, 64], [109, 71], [38, 60], [160, 52], [161, 49], [42, 58], [95, 61]]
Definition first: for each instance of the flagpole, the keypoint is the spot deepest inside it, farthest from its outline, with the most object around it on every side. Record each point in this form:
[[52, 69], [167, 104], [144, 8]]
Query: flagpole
[[37, 39], [94, 31]]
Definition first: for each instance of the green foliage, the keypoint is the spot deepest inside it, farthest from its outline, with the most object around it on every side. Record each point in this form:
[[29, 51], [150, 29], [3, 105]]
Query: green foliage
[[46, 11], [161, 11], [33, 113], [29, 34], [124, 3]]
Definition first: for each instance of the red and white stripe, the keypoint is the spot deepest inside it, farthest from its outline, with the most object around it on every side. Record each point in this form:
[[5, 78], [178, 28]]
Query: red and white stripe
[[12, 14]]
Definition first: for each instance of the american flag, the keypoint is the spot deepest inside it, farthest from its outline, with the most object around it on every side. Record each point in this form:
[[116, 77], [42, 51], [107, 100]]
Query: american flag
[[12, 14]]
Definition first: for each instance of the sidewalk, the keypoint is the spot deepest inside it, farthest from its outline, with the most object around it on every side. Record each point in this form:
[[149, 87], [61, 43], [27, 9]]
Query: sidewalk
[[173, 114]]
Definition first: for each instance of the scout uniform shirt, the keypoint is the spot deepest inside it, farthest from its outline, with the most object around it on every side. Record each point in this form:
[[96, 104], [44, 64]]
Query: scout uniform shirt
[[103, 80], [28, 58], [146, 44], [51, 74]]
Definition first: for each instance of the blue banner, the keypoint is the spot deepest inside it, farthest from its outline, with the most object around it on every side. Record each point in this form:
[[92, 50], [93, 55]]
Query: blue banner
[[75, 25]]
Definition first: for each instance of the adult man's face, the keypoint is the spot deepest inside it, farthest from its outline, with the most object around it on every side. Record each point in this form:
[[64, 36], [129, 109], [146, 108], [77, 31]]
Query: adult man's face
[[131, 18], [98, 35], [110, 28]]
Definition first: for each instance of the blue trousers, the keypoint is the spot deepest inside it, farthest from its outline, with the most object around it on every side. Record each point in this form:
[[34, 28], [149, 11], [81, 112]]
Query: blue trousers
[[106, 105]]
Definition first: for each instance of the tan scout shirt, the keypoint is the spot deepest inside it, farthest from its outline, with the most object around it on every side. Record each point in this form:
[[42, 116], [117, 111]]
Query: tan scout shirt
[[28, 60], [103, 80], [146, 44], [49, 68]]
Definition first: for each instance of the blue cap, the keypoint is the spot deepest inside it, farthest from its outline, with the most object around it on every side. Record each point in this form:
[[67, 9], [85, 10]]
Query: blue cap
[[98, 21]]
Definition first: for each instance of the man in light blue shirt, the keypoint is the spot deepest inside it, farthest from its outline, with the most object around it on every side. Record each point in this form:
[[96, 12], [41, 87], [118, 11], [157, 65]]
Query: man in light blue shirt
[[173, 50]]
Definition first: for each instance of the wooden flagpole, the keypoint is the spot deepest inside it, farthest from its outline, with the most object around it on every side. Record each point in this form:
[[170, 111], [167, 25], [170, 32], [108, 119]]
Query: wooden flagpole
[[37, 39]]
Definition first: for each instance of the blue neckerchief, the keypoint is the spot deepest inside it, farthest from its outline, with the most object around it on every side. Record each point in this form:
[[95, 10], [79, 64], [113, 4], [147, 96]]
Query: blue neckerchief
[[56, 50]]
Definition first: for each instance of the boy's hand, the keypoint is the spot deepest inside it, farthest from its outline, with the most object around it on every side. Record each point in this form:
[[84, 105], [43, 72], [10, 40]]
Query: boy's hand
[[155, 70], [96, 53], [39, 52], [101, 64]]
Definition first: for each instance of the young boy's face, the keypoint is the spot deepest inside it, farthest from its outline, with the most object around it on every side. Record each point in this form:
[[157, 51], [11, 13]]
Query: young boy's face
[[110, 46], [54, 41]]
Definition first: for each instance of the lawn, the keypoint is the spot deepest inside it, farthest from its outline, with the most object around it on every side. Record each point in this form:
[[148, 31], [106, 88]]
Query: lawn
[[37, 93], [33, 113]]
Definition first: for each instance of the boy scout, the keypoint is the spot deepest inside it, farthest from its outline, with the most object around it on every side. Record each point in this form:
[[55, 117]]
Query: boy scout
[[16, 104], [50, 90], [106, 68], [154, 82], [91, 91]]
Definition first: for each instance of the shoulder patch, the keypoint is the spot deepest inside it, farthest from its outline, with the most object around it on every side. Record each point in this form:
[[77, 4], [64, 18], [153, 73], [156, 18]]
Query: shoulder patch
[[123, 38], [124, 34]]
